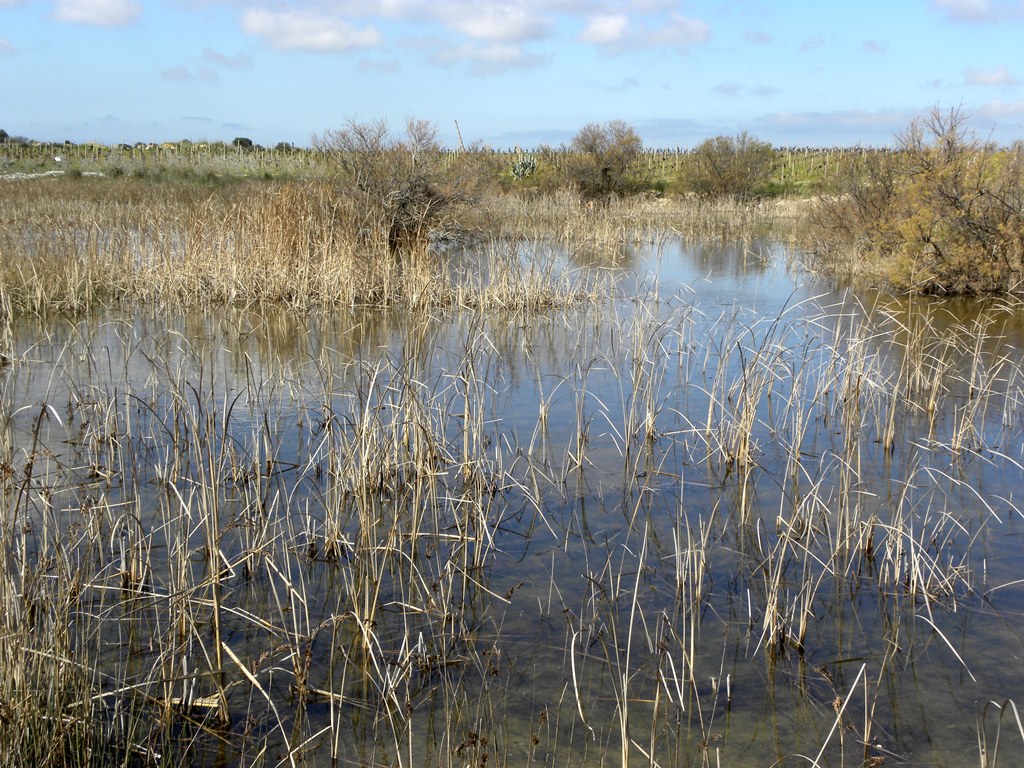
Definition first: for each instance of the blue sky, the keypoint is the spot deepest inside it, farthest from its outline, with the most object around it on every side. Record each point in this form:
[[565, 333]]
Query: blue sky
[[521, 72]]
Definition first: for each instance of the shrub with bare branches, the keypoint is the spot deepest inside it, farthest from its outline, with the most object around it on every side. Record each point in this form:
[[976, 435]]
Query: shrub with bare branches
[[603, 160], [944, 213], [392, 187], [736, 166]]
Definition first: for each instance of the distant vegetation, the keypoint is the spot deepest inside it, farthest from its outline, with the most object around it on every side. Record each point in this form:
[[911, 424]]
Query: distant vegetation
[[939, 213], [603, 161]]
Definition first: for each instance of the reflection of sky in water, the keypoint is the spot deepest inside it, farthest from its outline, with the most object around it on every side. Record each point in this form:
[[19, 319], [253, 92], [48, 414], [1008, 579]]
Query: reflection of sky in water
[[722, 314]]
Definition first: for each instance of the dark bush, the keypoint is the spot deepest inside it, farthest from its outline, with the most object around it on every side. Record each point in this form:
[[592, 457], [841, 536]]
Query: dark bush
[[737, 166], [603, 160]]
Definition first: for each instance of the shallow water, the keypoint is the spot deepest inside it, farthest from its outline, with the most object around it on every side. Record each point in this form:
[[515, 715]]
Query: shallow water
[[709, 519]]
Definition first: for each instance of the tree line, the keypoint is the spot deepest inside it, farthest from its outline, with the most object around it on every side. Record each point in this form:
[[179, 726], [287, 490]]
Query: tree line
[[940, 212]]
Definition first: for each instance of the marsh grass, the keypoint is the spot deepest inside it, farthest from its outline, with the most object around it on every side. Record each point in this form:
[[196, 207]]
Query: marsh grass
[[75, 245], [605, 227], [541, 527]]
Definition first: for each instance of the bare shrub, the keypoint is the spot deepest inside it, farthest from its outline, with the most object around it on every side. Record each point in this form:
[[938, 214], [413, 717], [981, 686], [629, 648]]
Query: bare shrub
[[393, 186], [856, 219], [603, 163], [943, 214], [736, 166]]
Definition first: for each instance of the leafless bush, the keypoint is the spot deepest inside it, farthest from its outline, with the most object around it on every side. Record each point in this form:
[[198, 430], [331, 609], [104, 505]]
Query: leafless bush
[[603, 161], [943, 214], [737, 166], [393, 187]]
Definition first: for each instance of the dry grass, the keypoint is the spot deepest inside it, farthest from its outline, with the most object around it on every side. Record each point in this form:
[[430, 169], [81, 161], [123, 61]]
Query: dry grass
[[73, 244], [563, 217], [76, 244], [546, 530]]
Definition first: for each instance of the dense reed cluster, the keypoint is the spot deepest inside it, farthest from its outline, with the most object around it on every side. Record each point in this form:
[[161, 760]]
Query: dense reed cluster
[[72, 245]]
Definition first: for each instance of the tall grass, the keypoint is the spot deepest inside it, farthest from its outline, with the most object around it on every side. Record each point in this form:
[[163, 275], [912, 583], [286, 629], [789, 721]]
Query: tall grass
[[75, 244]]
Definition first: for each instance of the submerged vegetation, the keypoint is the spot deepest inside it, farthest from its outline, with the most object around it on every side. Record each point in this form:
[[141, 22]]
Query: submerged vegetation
[[406, 457]]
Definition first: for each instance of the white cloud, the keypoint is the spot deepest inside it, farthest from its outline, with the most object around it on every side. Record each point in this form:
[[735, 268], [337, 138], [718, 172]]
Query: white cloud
[[102, 13], [1000, 76], [473, 28], [295, 30], [980, 10], [399, 9], [6, 47], [682, 32], [606, 29], [875, 46], [617, 33], [488, 59], [735, 89], [995, 110], [499, 21], [842, 127]]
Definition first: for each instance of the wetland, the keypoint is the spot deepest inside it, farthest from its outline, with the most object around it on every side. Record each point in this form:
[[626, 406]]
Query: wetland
[[706, 508]]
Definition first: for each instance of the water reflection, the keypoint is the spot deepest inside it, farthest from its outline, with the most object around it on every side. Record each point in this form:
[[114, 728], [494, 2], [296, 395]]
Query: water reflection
[[701, 523]]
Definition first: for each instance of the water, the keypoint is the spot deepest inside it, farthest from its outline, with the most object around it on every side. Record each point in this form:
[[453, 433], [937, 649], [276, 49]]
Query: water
[[732, 516]]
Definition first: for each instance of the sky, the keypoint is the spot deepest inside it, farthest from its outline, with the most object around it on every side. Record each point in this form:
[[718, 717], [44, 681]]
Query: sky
[[506, 74]]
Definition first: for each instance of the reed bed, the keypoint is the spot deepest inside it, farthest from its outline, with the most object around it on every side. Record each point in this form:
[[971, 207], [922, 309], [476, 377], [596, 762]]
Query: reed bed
[[72, 244], [75, 244], [605, 226], [528, 532]]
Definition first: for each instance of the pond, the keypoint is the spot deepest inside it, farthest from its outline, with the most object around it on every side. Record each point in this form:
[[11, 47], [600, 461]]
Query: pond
[[729, 516]]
